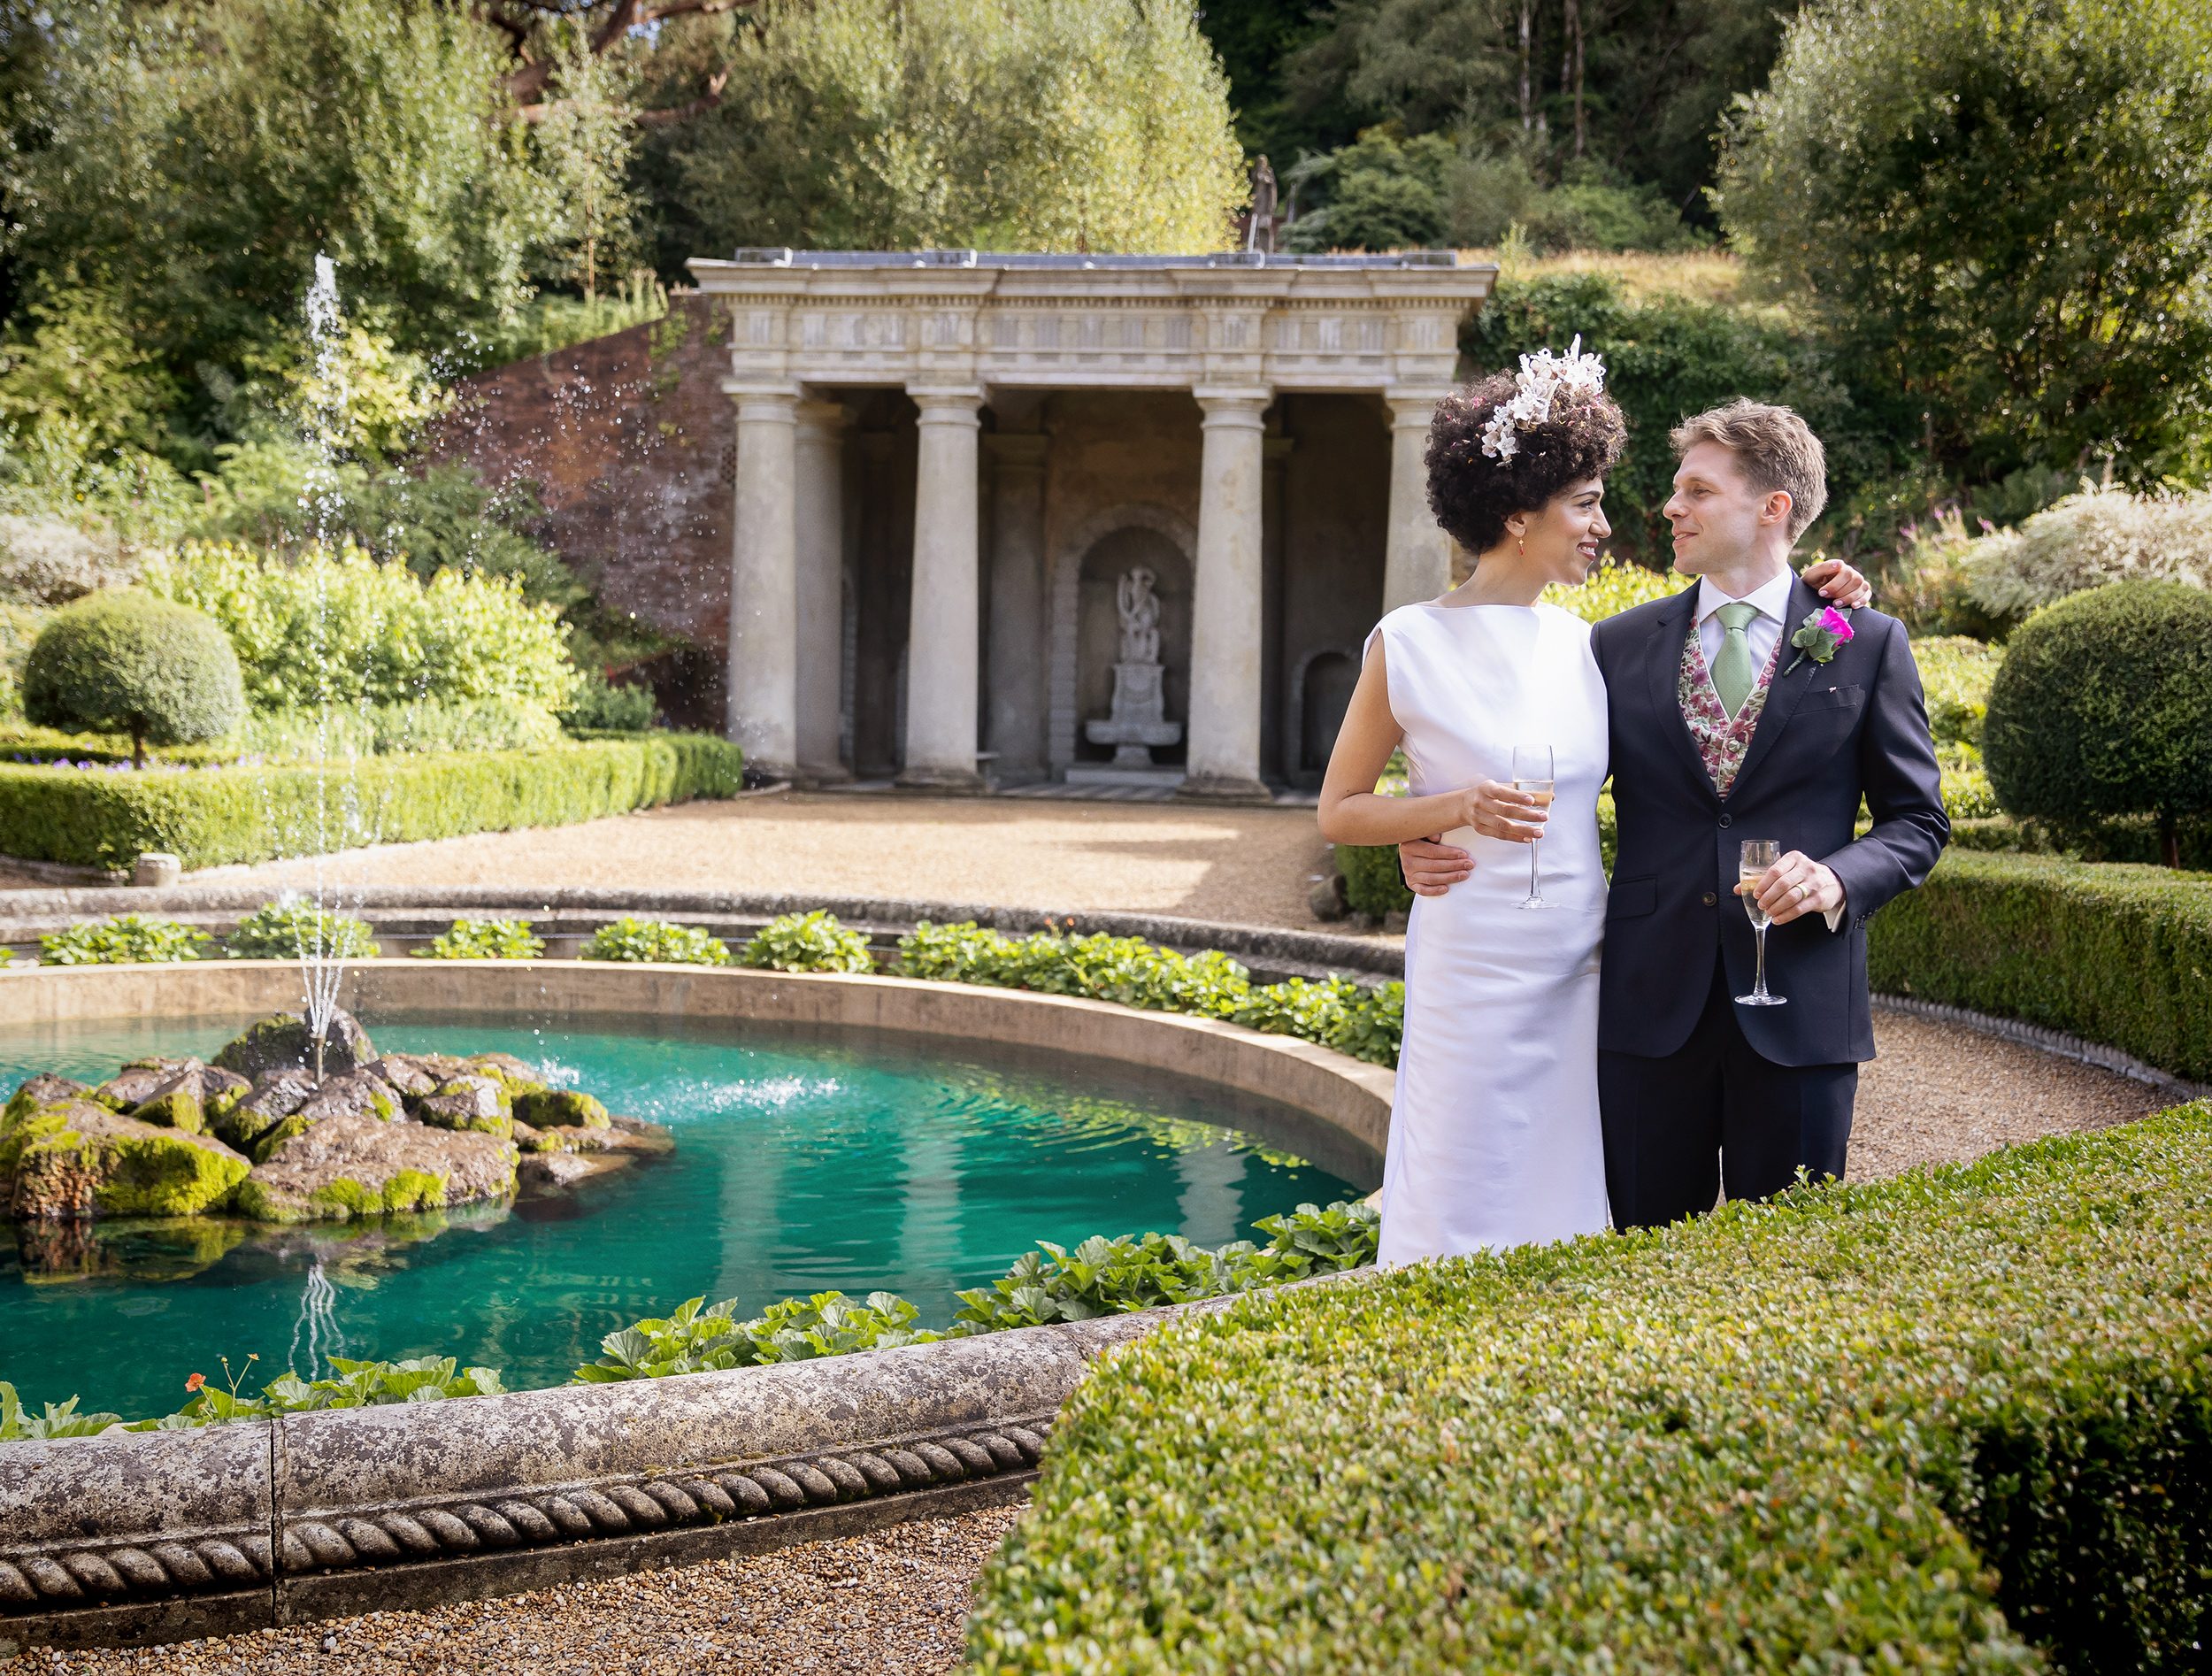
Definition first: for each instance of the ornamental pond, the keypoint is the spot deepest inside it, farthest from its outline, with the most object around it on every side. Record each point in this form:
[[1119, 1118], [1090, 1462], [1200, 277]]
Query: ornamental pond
[[805, 1161]]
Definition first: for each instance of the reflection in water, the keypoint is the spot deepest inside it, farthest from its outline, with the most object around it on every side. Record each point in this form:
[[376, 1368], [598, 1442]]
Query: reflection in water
[[317, 1323], [1212, 1205]]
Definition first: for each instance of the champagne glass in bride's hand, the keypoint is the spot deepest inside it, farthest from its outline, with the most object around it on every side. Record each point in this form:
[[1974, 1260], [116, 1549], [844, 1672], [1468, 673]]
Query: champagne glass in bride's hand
[[1757, 855], [1532, 773]]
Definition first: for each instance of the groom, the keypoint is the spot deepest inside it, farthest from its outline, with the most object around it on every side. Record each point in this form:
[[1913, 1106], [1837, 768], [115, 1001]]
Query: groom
[[1735, 715]]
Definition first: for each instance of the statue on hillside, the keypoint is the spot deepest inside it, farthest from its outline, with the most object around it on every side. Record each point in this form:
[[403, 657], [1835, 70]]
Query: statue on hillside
[[1262, 233]]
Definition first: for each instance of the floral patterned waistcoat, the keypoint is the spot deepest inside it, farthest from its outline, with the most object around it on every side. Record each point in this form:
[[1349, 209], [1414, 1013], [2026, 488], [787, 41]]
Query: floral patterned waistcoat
[[1721, 741]]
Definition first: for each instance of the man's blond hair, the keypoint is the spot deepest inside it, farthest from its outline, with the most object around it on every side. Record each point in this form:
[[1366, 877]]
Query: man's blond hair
[[1776, 447]]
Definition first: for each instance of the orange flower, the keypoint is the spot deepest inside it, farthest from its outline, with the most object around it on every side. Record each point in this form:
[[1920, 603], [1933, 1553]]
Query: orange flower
[[195, 1382]]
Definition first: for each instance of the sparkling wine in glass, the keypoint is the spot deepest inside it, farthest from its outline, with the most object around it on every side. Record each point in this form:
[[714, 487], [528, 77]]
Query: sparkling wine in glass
[[1757, 855], [1532, 771]]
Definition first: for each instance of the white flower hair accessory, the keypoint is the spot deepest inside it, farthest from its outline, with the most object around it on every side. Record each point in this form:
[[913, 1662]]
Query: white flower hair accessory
[[1543, 375]]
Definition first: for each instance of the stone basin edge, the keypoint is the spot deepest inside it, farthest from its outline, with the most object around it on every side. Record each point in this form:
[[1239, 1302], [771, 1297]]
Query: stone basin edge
[[145, 1537]]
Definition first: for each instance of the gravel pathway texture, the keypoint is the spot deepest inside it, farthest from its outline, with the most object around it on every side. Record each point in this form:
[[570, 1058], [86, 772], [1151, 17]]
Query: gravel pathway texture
[[1246, 866], [892, 1602]]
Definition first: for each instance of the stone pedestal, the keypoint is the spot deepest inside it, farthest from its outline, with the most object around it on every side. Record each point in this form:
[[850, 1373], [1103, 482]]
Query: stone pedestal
[[1226, 606], [943, 638], [1138, 720]]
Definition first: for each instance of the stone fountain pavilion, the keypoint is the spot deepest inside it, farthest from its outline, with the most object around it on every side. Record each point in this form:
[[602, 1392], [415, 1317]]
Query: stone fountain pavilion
[[934, 474]]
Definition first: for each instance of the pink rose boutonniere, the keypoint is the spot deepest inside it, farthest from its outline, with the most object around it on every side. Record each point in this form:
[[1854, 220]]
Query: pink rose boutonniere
[[1818, 637]]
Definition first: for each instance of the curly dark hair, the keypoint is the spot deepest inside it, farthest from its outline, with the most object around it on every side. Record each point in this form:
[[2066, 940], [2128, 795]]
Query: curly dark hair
[[1473, 494]]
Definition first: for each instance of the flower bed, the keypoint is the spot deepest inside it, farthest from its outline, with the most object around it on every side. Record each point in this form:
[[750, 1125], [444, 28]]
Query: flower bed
[[248, 813], [1932, 1423]]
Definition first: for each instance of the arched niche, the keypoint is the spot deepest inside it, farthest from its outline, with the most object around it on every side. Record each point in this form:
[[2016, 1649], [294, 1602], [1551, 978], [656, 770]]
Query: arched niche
[[1085, 625]]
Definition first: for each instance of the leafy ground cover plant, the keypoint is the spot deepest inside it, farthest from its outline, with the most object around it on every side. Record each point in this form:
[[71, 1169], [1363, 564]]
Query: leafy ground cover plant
[[701, 1338], [485, 939], [658, 942], [1959, 1420], [125, 940], [814, 941], [296, 929]]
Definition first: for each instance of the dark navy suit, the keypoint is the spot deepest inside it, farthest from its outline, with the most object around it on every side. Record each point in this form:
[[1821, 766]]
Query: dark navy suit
[[1693, 1088]]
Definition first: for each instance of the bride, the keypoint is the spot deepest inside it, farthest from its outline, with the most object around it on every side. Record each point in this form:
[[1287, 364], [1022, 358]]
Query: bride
[[1494, 1139]]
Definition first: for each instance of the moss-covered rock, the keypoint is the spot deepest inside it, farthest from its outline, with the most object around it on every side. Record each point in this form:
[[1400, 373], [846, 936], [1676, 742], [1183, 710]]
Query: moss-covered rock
[[283, 1042], [184, 1101], [44, 1090], [407, 1074], [268, 1103], [549, 1107], [355, 1163], [81, 1160], [472, 1101]]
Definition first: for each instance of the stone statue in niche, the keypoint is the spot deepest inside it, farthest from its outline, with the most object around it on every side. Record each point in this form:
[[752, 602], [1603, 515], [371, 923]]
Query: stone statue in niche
[[1138, 720]]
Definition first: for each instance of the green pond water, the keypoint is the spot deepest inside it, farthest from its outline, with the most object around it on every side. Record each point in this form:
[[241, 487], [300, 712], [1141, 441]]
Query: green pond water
[[804, 1163]]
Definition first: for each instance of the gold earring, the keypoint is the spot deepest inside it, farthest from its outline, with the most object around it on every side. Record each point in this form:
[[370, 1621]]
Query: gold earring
[[1520, 546]]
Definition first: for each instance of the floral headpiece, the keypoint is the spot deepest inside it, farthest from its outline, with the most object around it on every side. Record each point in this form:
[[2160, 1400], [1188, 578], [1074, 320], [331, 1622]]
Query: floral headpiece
[[1543, 375]]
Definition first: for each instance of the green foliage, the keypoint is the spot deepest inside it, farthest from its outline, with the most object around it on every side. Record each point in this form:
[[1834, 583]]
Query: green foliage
[[294, 928], [413, 725], [2086, 540], [422, 1378], [697, 1340], [197, 159], [1908, 1424], [256, 813], [598, 704], [1671, 356], [656, 942], [485, 939], [126, 940], [1863, 178], [1612, 588], [343, 629], [1374, 884], [130, 662], [2120, 955], [808, 942], [1056, 124], [2103, 707], [1383, 195], [1955, 673], [18, 1425], [1373, 1025], [1300, 1007], [1113, 1277]]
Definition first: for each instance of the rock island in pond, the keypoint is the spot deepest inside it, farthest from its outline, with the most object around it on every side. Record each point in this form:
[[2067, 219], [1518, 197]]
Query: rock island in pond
[[256, 1132]]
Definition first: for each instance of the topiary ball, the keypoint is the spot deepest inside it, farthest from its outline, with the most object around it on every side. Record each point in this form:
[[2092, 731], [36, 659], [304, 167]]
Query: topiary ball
[[2103, 707], [125, 661]]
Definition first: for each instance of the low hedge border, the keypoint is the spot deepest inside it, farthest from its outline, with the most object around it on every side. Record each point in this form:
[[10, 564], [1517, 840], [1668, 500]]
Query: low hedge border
[[210, 816], [2117, 955], [1938, 1422]]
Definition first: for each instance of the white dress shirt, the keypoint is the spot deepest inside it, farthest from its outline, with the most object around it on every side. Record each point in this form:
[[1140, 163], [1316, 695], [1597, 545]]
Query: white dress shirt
[[1771, 599]]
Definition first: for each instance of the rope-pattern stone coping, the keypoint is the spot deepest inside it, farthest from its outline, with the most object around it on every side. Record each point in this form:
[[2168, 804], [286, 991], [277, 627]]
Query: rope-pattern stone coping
[[579, 1512], [69, 1577]]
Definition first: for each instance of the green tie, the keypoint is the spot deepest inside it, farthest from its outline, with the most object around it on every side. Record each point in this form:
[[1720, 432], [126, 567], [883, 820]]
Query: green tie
[[1734, 673]]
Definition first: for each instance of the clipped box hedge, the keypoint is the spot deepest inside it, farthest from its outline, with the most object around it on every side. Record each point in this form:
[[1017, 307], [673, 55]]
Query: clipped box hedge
[[210, 816], [1958, 1420], [2120, 955]]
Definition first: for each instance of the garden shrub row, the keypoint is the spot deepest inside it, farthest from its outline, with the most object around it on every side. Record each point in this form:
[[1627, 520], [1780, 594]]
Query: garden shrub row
[[1959, 1420], [2120, 955], [245, 813]]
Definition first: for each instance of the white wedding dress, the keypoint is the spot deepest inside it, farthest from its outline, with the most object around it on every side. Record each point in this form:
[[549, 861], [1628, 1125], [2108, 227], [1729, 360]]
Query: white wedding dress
[[1493, 1132]]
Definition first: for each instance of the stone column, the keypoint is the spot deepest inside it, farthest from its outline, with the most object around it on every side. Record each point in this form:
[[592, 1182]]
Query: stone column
[[1416, 554], [819, 637], [763, 581], [1015, 707], [942, 641], [1226, 627]]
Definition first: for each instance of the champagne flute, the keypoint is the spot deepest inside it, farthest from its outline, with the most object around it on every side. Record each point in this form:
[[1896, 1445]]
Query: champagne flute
[[1756, 855], [1532, 771]]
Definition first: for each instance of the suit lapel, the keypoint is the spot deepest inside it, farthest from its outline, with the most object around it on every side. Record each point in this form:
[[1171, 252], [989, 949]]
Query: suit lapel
[[1662, 657], [1787, 689]]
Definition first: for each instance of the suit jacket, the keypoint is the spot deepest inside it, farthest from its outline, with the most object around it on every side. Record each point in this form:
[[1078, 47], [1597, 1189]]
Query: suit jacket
[[1831, 733]]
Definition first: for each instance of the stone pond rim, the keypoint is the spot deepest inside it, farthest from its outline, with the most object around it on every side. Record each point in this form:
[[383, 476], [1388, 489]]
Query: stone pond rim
[[147, 1537]]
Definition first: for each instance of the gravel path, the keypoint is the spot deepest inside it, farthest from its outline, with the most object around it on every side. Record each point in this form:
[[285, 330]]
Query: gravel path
[[1249, 866], [890, 1603]]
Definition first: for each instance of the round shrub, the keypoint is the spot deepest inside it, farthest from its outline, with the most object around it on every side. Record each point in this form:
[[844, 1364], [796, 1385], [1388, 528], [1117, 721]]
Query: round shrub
[[127, 662], [2103, 707]]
